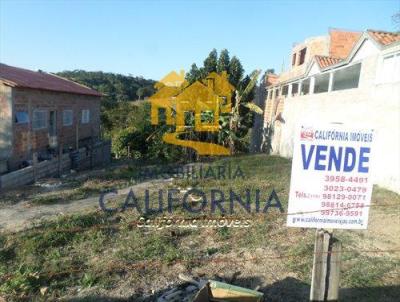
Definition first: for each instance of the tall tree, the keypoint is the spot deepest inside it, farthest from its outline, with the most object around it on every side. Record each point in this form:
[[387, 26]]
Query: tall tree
[[256, 139], [223, 61], [210, 63], [235, 71], [194, 74]]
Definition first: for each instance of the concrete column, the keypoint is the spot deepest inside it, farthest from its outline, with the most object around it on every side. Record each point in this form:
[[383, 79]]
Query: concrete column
[[290, 90], [331, 77], [274, 96], [300, 87], [312, 84]]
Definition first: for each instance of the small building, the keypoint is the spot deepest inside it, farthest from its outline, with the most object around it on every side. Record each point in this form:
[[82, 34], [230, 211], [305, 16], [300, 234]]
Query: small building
[[347, 77], [173, 79], [42, 112]]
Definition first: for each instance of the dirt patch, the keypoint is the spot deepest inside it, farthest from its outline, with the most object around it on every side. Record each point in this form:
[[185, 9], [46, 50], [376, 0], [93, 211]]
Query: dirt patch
[[23, 215]]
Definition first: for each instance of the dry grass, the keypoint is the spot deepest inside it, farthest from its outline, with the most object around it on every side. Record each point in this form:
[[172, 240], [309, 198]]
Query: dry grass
[[108, 255]]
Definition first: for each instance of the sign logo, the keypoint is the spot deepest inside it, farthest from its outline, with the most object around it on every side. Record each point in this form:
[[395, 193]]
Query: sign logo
[[192, 107], [306, 134]]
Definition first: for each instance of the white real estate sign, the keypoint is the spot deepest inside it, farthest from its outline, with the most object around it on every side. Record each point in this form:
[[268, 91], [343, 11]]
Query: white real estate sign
[[331, 181]]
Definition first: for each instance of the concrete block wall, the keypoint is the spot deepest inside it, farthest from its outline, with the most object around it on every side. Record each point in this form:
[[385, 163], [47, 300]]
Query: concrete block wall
[[373, 105], [378, 109], [101, 155], [17, 178]]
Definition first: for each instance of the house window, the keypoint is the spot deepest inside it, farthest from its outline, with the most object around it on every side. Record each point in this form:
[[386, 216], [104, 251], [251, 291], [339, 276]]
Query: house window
[[21, 117], [285, 90], [302, 56], [305, 86], [162, 115], [294, 59], [207, 117], [346, 78], [321, 83], [85, 116], [390, 69], [39, 119], [67, 117], [189, 118], [295, 89]]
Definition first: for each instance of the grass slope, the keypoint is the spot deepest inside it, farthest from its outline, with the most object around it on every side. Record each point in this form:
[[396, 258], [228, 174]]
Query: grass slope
[[107, 255]]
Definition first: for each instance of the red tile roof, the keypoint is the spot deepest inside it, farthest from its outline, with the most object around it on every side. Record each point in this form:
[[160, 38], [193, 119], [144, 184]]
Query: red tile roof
[[43, 81], [383, 37], [324, 61]]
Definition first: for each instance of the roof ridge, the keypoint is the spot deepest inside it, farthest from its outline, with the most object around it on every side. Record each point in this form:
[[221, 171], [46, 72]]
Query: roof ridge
[[21, 77], [383, 31], [76, 83], [344, 30], [24, 69]]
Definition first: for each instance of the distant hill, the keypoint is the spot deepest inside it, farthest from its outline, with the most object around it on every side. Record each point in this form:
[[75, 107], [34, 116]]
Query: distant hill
[[116, 87]]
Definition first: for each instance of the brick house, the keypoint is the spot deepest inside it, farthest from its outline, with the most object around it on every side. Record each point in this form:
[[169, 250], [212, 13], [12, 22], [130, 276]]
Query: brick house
[[347, 77], [41, 112]]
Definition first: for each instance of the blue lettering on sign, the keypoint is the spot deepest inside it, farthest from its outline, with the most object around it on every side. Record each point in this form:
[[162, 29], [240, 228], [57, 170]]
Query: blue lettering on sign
[[344, 159]]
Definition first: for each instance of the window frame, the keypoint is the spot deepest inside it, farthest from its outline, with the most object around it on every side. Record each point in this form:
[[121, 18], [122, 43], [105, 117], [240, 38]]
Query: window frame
[[380, 75], [302, 56], [319, 77], [72, 117], [85, 119], [343, 68], [44, 111], [24, 122], [294, 58]]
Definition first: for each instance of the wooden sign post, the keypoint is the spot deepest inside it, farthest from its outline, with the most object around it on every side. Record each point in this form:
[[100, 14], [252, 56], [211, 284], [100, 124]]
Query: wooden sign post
[[326, 267]]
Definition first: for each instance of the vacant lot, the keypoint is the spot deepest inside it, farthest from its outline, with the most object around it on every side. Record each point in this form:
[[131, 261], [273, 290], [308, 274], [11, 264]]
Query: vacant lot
[[95, 256]]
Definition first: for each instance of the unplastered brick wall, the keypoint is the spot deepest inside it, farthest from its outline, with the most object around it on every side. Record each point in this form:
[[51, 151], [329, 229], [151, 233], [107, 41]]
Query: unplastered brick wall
[[342, 42], [27, 140], [314, 46], [5, 126]]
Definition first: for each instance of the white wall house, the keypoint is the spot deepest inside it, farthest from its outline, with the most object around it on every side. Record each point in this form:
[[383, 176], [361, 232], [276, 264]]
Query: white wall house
[[362, 90]]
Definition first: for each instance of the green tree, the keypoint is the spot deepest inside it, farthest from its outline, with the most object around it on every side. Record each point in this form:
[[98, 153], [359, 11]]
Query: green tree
[[116, 88], [210, 63], [140, 92], [223, 61], [235, 125], [236, 71], [194, 74]]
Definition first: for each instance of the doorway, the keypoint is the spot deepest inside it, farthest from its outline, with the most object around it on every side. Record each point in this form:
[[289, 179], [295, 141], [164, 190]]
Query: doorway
[[53, 123]]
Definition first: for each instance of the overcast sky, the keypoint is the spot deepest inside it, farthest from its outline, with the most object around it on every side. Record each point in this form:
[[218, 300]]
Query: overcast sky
[[151, 38]]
